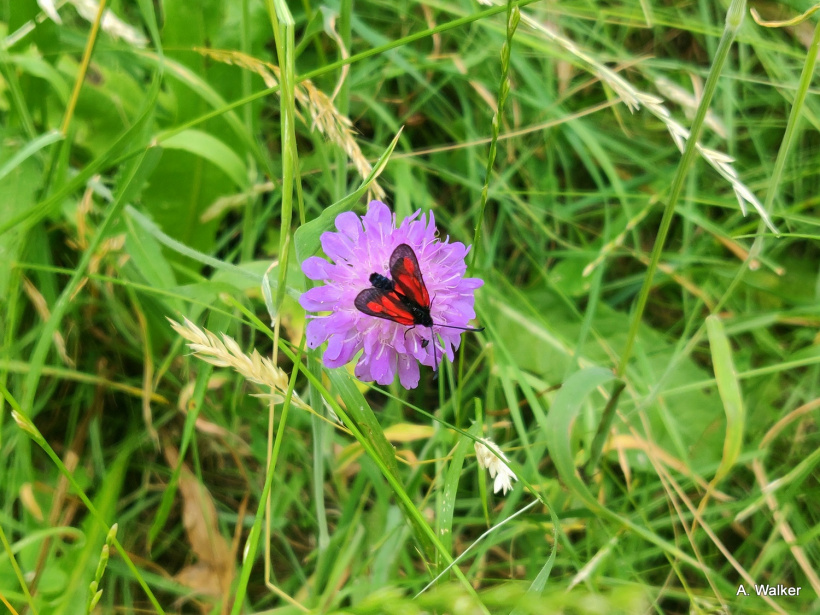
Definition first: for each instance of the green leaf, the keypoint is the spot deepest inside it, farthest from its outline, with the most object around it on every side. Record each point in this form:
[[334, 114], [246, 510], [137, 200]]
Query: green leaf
[[146, 254], [238, 273], [564, 410], [18, 191], [188, 87], [31, 148], [307, 235], [370, 434], [169, 494], [729, 389], [212, 149], [360, 411], [135, 174], [540, 581], [38, 67], [29, 217], [82, 562], [451, 480], [679, 425], [149, 16]]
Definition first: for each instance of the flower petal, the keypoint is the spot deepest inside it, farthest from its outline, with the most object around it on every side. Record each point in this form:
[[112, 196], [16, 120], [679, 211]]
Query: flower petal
[[317, 268], [383, 364], [378, 225], [408, 371], [337, 247], [319, 299], [316, 332], [362, 370], [378, 213], [502, 483], [349, 224], [320, 329], [340, 349], [468, 284]]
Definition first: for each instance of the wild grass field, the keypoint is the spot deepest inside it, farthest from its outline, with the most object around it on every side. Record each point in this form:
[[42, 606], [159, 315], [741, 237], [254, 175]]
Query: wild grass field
[[638, 182]]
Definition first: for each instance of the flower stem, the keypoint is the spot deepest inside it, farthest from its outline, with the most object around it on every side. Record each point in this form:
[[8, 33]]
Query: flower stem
[[282, 24], [513, 17], [252, 544]]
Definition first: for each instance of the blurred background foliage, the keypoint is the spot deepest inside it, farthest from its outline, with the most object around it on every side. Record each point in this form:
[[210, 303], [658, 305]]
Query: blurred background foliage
[[143, 177]]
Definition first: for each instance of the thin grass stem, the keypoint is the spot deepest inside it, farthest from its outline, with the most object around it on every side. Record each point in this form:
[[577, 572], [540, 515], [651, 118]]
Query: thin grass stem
[[733, 21], [32, 432]]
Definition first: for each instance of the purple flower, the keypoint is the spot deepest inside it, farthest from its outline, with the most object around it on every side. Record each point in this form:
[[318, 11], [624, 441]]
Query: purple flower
[[361, 247]]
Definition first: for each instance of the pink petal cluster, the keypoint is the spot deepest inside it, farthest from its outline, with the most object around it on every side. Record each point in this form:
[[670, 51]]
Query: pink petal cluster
[[362, 246]]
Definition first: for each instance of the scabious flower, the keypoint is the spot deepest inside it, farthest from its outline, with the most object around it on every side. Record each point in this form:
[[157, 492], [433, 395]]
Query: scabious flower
[[490, 456], [363, 246]]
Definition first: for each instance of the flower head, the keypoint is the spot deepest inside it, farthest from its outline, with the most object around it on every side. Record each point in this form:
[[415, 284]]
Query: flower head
[[490, 456], [361, 247]]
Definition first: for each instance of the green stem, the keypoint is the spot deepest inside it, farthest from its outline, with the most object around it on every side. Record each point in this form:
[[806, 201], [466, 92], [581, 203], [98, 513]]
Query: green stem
[[333, 66], [513, 17], [603, 429], [733, 20], [31, 430], [252, 545], [392, 479], [78, 83], [17, 571], [249, 233], [791, 130]]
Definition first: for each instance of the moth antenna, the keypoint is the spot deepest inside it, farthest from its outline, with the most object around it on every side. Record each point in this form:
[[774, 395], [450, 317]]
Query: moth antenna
[[461, 328]]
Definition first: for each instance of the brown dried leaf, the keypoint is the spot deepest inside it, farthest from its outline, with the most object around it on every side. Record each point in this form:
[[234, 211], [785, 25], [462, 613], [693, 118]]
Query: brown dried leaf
[[201, 578], [30, 503], [213, 573]]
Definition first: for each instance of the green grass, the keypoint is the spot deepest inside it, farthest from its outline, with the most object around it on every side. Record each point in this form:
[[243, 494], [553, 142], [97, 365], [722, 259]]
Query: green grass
[[650, 360]]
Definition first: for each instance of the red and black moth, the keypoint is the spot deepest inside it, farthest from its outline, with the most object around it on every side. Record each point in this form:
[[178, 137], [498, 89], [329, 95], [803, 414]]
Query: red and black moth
[[404, 298]]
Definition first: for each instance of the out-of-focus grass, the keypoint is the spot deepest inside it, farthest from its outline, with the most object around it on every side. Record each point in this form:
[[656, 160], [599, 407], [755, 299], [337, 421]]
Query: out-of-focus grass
[[195, 148]]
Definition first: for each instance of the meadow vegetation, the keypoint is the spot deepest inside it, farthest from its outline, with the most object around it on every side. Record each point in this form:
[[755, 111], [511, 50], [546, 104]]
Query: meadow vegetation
[[639, 184]]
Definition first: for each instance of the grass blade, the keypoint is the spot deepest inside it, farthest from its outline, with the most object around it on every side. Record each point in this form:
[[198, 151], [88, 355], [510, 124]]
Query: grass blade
[[31, 148], [729, 389], [734, 18], [307, 236]]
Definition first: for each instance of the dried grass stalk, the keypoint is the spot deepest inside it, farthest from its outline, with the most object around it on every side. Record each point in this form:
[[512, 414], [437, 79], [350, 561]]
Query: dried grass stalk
[[323, 114], [225, 352], [634, 98]]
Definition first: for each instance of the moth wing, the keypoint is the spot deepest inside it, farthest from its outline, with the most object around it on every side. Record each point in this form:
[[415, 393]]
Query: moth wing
[[383, 304], [406, 274]]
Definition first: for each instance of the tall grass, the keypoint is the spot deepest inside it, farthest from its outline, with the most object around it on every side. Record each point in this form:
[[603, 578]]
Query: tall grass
[[639, 183]]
